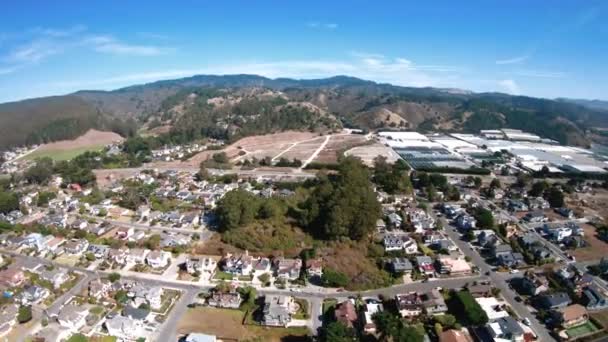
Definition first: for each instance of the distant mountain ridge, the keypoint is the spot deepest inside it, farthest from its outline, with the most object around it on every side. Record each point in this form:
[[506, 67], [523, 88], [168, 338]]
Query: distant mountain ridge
[[233, 105]]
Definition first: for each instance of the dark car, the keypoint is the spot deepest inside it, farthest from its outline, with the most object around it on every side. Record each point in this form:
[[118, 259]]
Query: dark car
[[518, 299]]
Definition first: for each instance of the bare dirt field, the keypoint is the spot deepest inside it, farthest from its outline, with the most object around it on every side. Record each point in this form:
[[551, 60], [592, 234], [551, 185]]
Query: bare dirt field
[[597, 248], [260, 146], [337, 144], [228, 325], [66, 149], [367, 153]]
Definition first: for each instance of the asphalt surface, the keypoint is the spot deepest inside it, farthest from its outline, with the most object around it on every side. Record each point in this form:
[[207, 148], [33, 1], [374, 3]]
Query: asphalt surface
[[498, 281]]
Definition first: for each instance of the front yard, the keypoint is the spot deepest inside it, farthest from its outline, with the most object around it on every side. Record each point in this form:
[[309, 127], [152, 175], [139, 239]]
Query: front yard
[[228, 324]]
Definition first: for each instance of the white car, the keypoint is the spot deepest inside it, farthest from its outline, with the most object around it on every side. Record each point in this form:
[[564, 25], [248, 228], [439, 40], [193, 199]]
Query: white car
[[527, 321], [514, 271]]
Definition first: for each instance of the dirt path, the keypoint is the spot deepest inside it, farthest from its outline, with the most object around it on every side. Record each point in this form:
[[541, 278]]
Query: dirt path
[[315, 153]]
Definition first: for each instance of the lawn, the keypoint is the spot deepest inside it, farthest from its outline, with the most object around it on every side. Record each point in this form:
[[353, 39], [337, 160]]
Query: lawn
[[581, 330], [61, 154], [228, 324], [220, 275]]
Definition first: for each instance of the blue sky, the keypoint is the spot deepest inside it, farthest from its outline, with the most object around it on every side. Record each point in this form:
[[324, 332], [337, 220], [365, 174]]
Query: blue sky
[[538, 48]]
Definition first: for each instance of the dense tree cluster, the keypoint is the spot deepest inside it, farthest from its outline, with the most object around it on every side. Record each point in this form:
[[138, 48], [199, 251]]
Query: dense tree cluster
[[239, 208], [337, 332], [484, 218], [392, 178], [466, 305], [393, 328], [430, 183], [9, 201], [342, 205]]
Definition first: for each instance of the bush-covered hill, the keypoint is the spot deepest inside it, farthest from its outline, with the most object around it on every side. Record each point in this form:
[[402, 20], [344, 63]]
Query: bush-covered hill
[[238, 105]]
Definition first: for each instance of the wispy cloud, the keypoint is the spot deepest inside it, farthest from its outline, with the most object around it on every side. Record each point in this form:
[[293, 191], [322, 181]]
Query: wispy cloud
[[60, 32], [399, 71], [510, 86], [8, 70], [111, 45], [514, 60], [319, 25], [152, 35], [539, 73], [32, 52]]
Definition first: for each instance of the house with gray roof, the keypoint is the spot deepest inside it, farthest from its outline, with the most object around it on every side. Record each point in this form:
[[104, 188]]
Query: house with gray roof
[[277, 310]]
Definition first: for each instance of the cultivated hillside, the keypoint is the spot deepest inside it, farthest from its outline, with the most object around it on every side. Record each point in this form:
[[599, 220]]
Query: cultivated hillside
[[233, 106]]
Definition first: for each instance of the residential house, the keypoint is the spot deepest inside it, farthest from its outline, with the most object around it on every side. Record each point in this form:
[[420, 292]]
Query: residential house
[[453, 266], [487, 238], [99, 251], [552, 301], [76, 247], [53, 245], [595, 298], [158, 259], [571, 315], [533, 283], [137, 255], [11, 277], [261, 266], [142, 294], [433, 302], [517, 205], [118, 256], [33, 295], [277, 310], [394, 220], [425, 266], [56, 277], [288, 268], [314, 267], [401, 265], [241, 265], [124, 328], [565, 212], [466, 222], [73, 317], [409, 304], [99, 288], [393, 242], [506, 329], [538, 203], [557, 232], [79, 224], [230, 300], [453, 335], [480, 290], [372, 307], [201, 265], [346, 313], [198, 337], [535, 217], [137, 314], [125, 233]]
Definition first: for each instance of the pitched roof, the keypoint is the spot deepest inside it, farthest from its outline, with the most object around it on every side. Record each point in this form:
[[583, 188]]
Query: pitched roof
[[573, 312]]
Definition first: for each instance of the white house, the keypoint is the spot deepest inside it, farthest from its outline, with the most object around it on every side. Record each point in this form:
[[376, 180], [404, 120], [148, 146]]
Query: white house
[[158, 259]]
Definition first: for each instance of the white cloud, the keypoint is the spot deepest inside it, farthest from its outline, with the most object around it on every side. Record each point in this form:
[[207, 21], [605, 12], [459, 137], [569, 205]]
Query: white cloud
[[63, 32], [399, 71], [318, 25], [540, 73], [514, 60], [510, 86], [33, 52], [110, 45]]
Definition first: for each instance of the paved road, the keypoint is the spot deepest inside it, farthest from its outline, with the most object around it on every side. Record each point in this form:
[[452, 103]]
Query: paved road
[[203, 232], [498, 281], [168, 330]]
